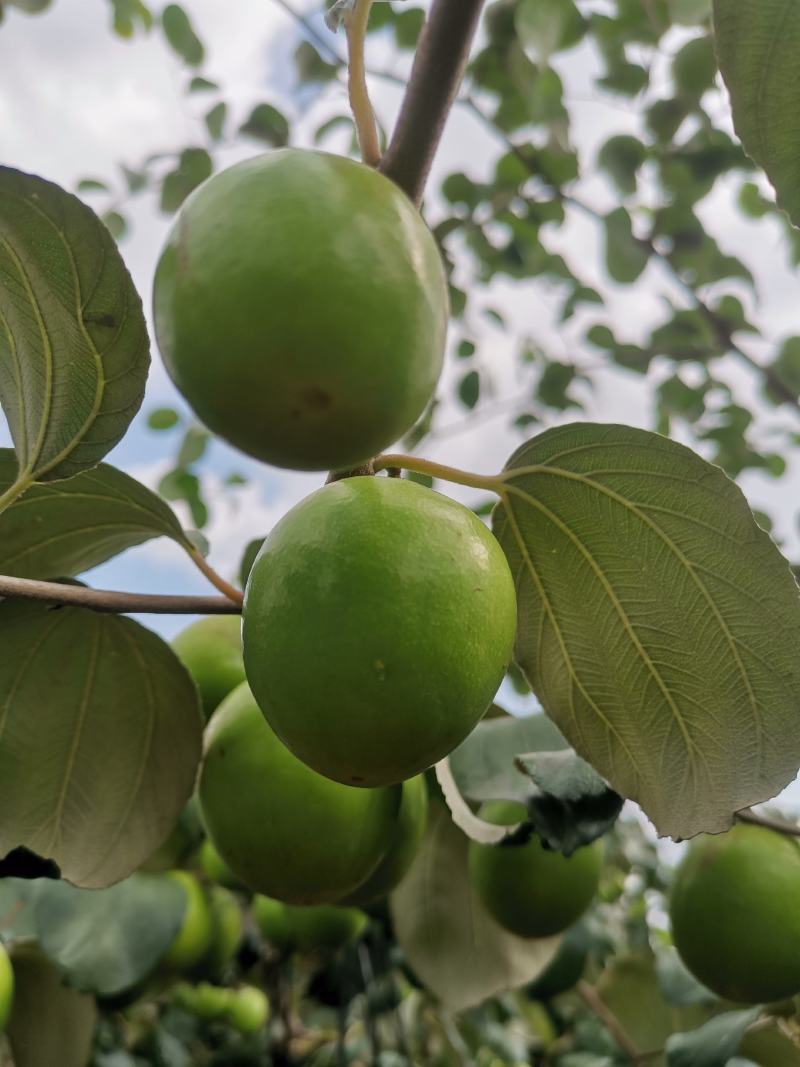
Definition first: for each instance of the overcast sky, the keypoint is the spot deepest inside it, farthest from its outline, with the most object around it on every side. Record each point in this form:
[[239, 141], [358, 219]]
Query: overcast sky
[[76, 101]]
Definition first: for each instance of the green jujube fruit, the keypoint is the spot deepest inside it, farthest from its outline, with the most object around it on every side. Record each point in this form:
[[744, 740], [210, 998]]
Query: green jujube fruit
[[211, 651]]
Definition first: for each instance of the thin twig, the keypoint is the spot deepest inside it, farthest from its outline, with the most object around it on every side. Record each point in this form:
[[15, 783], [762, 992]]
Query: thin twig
[[439, 64], [216, 580], [783, 826], [107, 600], [597, 1005], [360, 104]]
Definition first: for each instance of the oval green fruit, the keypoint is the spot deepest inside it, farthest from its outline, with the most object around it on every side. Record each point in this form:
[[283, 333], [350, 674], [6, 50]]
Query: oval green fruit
[[6, 986], [215, 867], [734, 913], [247, 1009], [272, 919], [412, 820], [379, 620], [228, 929], [282, 829], [301, 308], [211, 651], [205, 1001], [325, 928], [193, 939], [529, 890]]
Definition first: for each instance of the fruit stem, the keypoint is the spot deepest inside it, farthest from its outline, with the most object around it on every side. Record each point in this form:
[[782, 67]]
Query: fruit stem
[[107, 600], [492, 482], [360, 104], [216, 580], [781, 825]]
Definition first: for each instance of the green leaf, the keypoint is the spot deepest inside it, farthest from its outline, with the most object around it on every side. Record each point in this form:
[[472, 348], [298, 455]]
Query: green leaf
[[453, 945], [193, 446], [107, 940], [16, 908], [694, 68], [116, 224], [127, 13], [194, 166], [215, 120], [181, 484], [180, 34], [248, 559], [621, 157], [626, 255], [163, 419], [548, 26], [758, 42], [100, 739], [74, 352], [677, 983], [469, 389], [267, 124], [92, 185], [50, 1023], [713, 1044], [310, 65], [202, 85], [658, 624], [60, 530]]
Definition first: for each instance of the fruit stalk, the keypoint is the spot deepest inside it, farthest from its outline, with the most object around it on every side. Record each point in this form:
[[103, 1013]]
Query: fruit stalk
[[436, 74], [360, 105]]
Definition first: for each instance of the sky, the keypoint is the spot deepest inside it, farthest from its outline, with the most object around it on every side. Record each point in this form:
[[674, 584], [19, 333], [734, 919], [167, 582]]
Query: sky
[[76, 101]]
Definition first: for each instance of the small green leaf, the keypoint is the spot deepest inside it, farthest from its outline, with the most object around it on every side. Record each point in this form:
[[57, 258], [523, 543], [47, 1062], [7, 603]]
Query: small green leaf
[[626, 255], [652, 606], [181, 484], [310, 65], [548, 26], [107, 940], [469, 389], [621, 157], [267, 124], [694, 68], [92, 185], [74, 353], [116, 224], [215, 120], [194, 166], [163, 419], [713, 1044], [758, 42], [193, 446], [60, 530], [50, 1023], [455, 947], [180, 34], [677, 983], [129, 13], [248, 559], [116, 744], [202, 85]]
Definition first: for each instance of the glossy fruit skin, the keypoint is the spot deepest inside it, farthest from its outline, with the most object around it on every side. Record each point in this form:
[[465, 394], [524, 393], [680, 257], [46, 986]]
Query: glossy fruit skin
[[411, 823], [6, 986], [301, 308], [529, 890], [379, 620], [734, 913], [215, 867], [324, 928], [194, 937], [284, 830], [211, 651]]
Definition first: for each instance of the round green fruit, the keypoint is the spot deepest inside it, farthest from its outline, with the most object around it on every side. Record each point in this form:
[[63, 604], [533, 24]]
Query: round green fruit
[[6, 986], [215, 867], [411, 823], [735, 916], [301, 308], [193, 939], [325, 928], [282, 829], [529, 890], [211, 651], [379, 620], [272, 919], [565, 969], [248, 1009]]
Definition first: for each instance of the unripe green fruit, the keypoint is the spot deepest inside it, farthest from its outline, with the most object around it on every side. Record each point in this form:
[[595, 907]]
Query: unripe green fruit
[[285, 831], [247, 1009], [735, 915], [301, 308], [322, 928], [411, 823], [194, 937], [205, 1001], [211, 651], [215, 867], [565, 969], [6, 986], [379, 620], [528, 889]]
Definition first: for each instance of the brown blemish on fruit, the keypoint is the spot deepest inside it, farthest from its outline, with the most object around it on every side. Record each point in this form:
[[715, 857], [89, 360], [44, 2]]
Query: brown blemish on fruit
[[316, 399]]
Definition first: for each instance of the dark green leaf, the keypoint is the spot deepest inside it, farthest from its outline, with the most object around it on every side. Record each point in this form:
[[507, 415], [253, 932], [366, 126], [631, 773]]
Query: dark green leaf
[[469, 389], [92, 185], [694, 68], [74, 354], [107, 940], [102, 778], [621, 157], [552, 389], [202, 85], [180, 33], [548, 26], [713, 1044], [651, 604], [626, 255], [194, 166], [407, 27], [215, 120], [267, 124], [116, 224], [181, 484], [63, 529], [129, 13], [758, 42], [310, 65]]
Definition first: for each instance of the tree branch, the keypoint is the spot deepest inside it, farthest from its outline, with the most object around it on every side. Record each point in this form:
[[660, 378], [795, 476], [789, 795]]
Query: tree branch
[[783, 826], [597, 1005], [439, 64], [107, 600]]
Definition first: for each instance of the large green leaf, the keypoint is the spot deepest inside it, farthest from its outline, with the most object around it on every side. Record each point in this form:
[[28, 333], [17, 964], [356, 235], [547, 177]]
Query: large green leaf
[[63, 529], [714, 1043], [451, 942], [100, 739], [658, 624], [74, 352], [106, 941], [50, 1023], [758, 42]]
